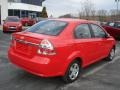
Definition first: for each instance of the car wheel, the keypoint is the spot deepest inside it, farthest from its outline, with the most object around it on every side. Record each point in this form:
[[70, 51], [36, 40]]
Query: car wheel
[[4, 31], [72, 72], [111, 55]]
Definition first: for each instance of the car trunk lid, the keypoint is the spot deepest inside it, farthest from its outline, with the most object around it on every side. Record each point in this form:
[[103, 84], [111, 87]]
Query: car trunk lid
[[26, 43]]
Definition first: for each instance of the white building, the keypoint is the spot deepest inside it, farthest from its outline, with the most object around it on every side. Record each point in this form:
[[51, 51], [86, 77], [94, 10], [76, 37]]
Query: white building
[[21, 8]]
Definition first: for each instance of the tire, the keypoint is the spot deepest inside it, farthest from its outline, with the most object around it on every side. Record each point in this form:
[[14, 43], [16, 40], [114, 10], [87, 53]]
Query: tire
[[72, 72], [4, 31], [111, 54]]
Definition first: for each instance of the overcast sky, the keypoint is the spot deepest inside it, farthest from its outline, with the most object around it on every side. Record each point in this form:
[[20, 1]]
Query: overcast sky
[[61, 7]]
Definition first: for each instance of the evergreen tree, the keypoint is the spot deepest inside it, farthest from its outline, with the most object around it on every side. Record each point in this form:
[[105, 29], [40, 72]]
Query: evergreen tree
[[44, 13]]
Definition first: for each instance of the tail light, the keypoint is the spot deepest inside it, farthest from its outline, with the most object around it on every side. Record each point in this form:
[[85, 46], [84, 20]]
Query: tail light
[[46, 48]]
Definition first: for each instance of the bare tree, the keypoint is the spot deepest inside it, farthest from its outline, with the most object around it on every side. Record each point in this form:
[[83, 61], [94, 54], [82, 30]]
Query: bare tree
[[88, 9], [113, 14], [81, 15], [66, 16], [93, 14], [102, 15]]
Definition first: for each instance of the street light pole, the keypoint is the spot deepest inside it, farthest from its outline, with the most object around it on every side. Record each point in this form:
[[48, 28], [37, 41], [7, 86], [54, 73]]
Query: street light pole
[[117, 3]]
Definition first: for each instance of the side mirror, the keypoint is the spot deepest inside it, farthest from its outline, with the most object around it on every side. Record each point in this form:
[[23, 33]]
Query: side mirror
[[108, 36], [3, 20]]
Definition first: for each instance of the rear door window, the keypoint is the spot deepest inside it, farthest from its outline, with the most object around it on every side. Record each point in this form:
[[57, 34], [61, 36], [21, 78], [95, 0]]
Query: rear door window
[[82, 31], [48, 27], [98, 31]]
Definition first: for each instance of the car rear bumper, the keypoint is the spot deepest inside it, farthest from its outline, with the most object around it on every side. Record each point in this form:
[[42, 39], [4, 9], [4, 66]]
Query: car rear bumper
[[37, 65]]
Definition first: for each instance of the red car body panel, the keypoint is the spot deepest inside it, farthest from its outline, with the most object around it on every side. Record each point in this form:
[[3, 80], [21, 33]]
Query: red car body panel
[[27, 21], [67, 49]]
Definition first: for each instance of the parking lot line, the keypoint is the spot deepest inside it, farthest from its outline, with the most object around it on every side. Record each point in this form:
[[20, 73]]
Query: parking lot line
[[99, 67]]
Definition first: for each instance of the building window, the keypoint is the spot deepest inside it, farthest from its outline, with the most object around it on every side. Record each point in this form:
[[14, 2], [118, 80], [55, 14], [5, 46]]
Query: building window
[[10, 12], [17, 1]]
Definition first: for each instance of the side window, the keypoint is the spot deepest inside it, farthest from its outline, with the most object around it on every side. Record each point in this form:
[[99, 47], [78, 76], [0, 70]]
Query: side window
[[112, 24], [118, 25], [98, 31], [82, 31]]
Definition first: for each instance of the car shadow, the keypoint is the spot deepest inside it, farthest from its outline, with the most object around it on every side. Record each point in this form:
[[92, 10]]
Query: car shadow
[[57, 81], [89, 70]]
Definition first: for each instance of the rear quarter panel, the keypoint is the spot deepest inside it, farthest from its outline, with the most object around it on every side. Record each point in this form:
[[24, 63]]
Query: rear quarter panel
[[65, 47]]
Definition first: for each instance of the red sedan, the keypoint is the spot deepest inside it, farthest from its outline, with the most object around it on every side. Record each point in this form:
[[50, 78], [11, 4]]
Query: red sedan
[[27, 21], [60, 47], [12, 24], [113, 28]]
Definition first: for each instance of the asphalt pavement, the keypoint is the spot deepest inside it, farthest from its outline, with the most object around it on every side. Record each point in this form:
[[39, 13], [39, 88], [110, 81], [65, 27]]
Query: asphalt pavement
[[102, 75]]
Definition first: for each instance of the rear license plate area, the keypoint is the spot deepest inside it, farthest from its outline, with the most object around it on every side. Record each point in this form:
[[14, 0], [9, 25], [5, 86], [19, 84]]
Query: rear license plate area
[[22, 48]]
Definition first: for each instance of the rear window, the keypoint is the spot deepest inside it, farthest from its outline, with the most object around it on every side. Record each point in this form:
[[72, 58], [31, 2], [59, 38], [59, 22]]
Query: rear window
[[48, 27]]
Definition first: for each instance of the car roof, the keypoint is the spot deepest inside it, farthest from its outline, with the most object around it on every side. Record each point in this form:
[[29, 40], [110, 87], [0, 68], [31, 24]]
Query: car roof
[[118, 21], [13, 17], [72, 20]]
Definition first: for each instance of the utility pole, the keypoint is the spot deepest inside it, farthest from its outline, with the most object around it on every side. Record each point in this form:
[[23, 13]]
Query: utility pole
[[117, 5]]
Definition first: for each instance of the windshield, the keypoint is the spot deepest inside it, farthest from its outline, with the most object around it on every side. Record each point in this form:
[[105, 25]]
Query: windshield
[[12, 19], [48, 27]]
